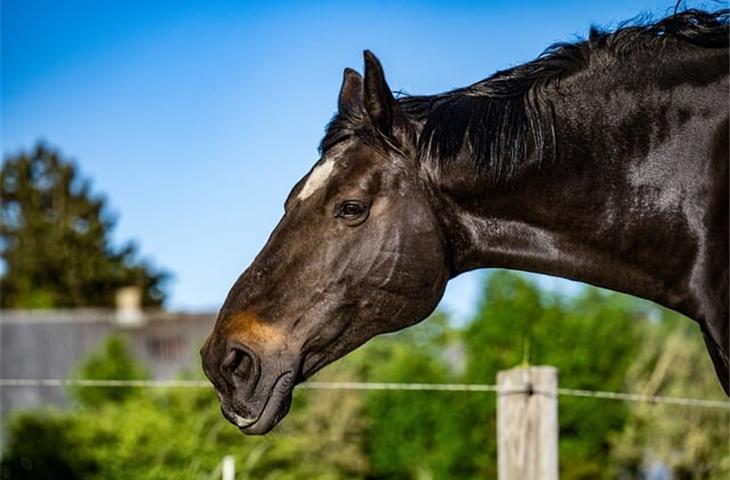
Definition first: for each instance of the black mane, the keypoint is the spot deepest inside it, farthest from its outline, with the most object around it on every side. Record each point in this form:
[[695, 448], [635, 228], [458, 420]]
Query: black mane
[[502, 117]]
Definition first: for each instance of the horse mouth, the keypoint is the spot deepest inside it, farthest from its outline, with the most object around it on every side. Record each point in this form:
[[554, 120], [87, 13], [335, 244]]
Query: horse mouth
[[274, 410]]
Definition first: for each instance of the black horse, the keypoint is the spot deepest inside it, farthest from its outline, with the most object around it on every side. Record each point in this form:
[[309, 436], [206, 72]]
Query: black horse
[[604, 161]]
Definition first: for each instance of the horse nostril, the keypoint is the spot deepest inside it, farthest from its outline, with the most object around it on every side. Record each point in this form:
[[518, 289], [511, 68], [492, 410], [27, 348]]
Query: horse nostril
[[232, 359], [237, 365], [245, 367]]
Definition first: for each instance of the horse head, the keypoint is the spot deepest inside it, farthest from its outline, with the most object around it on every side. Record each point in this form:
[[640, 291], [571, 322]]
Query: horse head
[[359, 251]]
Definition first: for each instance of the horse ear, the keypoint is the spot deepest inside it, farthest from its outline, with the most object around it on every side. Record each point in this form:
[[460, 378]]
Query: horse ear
[[380, 104], [351, 92]]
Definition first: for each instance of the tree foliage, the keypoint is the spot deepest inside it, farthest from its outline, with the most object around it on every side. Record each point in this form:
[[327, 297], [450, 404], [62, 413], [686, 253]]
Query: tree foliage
[[55, 242], [419, 434], [111, 361], [692, 442], [591, 339]]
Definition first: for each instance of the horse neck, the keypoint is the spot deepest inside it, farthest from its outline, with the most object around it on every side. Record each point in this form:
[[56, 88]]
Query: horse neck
[[623, 206]]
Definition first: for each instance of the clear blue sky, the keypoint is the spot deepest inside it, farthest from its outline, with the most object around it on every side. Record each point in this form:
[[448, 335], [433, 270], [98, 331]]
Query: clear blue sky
[[196, 118]]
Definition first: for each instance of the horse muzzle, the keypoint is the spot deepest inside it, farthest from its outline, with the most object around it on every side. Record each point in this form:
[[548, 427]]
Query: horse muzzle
[[254, 394]]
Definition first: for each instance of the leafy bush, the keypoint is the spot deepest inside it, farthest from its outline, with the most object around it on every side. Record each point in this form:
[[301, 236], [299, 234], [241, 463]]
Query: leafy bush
[[111, 361]]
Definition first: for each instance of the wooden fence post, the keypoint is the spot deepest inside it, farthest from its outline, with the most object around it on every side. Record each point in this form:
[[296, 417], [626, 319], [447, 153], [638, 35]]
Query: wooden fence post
[[527, 423]]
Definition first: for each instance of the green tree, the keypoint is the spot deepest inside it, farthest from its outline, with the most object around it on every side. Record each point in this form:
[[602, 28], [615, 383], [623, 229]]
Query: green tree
[[692, 441], [415, 434], [590, 339], [55, 242]]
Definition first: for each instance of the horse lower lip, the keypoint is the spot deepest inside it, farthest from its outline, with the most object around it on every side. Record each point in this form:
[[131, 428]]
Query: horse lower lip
[[238, 420], [245, 422], [266, 416], [262, 426]]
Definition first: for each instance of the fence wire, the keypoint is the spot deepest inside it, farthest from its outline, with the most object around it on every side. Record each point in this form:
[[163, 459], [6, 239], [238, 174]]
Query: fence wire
[[393, 386]]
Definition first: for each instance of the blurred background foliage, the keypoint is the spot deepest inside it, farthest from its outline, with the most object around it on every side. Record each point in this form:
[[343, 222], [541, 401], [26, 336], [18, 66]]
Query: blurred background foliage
[[597, 340]]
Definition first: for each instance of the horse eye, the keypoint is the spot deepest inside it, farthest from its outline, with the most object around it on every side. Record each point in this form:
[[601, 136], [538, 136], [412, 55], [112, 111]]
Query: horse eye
[[352, 211]]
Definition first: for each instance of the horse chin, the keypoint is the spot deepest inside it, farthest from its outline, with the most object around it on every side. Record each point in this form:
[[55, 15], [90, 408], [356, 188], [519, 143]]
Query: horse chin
[[270, 417], [275, 409]]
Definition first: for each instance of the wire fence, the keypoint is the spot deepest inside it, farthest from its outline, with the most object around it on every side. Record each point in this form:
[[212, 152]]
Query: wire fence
[[395, 386]]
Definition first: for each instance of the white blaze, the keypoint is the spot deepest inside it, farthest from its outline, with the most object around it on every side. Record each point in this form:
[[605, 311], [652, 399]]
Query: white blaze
[[317, 178]]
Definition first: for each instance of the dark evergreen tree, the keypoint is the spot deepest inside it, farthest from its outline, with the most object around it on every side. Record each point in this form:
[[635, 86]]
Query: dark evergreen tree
[[55, 246]]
